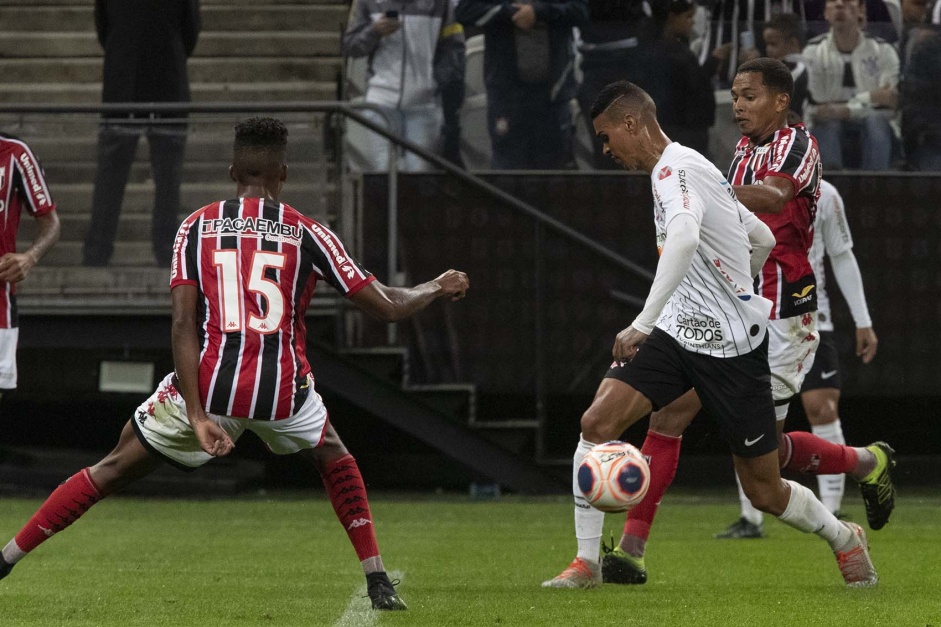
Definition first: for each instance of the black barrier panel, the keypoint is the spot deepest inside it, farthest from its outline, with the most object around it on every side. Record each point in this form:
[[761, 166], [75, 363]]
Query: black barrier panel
[[582, 301]]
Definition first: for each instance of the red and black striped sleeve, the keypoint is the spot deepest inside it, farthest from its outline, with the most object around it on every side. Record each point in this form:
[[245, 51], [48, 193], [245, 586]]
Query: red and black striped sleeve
[[794, 155]]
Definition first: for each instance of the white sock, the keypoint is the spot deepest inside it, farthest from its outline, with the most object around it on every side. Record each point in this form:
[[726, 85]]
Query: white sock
[[749, 513], [12, 553], [805, 513], [372, 565], [831, 486], [589, 522]]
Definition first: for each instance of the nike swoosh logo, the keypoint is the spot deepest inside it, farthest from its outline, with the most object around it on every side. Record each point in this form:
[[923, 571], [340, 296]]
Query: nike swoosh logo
[[827, 375], [750, 442]]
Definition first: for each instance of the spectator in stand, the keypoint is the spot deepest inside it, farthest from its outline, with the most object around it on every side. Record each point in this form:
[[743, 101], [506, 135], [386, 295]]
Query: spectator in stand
[[784, 39], [914, 14], [146, 44], [679, 86], [853, 87], [875, 15], [405, 76], [529, 71], [921, 114], [612, 45]]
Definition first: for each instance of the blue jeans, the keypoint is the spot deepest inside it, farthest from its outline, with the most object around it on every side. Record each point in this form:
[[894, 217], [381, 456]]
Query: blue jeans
[[421, 125], [875, 141]]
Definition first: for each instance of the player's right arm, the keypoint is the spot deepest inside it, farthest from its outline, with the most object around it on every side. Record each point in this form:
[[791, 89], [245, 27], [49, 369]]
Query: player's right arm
[[760, 238], [391, 304], [185, 340]]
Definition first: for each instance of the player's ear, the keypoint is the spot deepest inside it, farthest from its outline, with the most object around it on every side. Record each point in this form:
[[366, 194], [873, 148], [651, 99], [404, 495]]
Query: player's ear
[[784, 102], [232, 175]]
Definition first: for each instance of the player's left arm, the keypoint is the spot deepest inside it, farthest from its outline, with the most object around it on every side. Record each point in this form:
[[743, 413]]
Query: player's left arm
[[14, 267], [185, 341], [770, 197], [682, 240]]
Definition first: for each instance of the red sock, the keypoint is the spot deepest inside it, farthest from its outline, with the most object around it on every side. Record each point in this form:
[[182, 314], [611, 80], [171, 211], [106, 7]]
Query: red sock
[[814, 455], [348, 494], [63, 507], [663, 455]]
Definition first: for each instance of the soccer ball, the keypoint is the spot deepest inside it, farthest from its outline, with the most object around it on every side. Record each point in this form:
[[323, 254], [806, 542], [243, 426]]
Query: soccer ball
[[614, 476]]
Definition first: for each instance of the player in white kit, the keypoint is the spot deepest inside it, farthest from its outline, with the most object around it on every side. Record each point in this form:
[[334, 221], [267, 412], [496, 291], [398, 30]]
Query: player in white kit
[[703, 327], [820, 393]]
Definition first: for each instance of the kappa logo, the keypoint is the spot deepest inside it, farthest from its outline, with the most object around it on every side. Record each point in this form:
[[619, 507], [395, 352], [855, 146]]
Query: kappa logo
[[359, 522], [665, 172]]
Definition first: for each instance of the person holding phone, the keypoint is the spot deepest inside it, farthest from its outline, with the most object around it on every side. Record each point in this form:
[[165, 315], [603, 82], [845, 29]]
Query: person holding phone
[[406, 80]]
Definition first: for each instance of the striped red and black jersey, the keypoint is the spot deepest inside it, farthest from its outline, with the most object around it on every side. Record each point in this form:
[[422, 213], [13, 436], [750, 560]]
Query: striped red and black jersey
[[21, 186], [256, 263], [786, 278]]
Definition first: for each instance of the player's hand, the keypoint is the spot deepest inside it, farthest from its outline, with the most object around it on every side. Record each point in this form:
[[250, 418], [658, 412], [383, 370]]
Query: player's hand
[[212, 438], [386, 25], [626, 343], [15, 266], [866, 344], [525, 16], [453, 283]]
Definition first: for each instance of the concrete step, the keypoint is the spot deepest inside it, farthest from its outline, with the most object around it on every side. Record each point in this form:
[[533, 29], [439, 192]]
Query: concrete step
[[74, 93], [388, 362], [214, 149], [205, 70], [215, 18], [265, 43], [76, 198], [301, 173]]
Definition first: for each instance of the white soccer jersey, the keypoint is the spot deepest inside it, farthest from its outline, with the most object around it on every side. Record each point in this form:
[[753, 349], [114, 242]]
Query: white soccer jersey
[[715, 309], [831, 237]]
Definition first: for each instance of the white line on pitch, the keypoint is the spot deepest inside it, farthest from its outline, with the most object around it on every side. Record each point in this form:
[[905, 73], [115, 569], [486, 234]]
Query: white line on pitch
[[359, 612]]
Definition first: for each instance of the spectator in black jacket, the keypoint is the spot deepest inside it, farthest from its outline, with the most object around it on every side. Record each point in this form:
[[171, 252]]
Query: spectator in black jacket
[[529, 71], [680, 87], [921, 114], [146, 44]]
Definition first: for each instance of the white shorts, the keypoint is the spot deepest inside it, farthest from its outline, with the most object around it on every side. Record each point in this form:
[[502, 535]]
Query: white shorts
[[163, 427], [792, 344], [8, 341]]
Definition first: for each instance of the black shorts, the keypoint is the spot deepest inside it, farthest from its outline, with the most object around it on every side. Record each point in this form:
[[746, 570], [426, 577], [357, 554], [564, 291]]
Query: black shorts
[[736, 391], [825, 373]]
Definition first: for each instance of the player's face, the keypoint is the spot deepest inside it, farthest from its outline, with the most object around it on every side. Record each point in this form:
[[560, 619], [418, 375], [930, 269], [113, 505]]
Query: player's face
[[619, 142], [757, 108]]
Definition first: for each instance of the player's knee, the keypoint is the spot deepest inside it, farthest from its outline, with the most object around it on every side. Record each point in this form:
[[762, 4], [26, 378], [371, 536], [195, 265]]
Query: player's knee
[[597, 425], [667, 423], [823, 414]]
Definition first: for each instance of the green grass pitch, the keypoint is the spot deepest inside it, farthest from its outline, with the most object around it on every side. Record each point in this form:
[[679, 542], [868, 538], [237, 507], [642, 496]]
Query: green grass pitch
[[286, 561]]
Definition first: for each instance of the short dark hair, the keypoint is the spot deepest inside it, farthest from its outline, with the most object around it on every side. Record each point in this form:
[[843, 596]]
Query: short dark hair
[[258, 132], [789, 25], [625, 93], [774, 74]]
